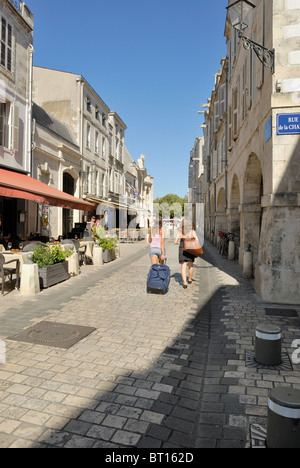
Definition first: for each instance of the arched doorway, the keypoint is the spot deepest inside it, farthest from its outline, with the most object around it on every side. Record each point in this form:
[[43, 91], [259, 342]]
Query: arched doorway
[[251, 215], [234, 206], [68, 217], [212, 215], [221, 217]]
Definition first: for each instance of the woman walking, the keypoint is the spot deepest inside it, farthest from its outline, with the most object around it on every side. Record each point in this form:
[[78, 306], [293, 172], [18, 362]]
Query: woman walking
[[186, 259], [157, 243]]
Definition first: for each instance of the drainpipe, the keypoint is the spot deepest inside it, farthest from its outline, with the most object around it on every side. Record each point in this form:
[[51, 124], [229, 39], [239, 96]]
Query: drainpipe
[[30, 139], [226, 139], [80, 81], [263, 39]]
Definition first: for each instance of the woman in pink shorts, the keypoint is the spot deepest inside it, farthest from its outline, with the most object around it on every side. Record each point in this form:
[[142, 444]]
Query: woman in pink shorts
[[157, 243]]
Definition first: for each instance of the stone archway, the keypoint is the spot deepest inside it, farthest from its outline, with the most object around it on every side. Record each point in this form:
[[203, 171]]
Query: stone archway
[[221, 216], [251, 209], [213, 234], [234, 207]]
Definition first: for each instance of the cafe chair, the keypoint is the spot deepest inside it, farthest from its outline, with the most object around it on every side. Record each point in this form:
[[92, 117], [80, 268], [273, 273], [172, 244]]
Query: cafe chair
[[6, 270], [81, 250]]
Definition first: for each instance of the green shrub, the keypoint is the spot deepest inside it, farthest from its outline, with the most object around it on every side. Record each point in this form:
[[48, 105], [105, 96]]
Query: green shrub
[[106, 242], [47, 256]]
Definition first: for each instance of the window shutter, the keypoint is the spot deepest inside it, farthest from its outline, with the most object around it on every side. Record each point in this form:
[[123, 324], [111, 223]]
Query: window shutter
[[217, 117], [235, 113], [229, 126], [222, 100], [14, 128]]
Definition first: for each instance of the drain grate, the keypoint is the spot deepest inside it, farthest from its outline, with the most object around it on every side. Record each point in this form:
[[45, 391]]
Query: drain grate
[[55, 335], [285, 365], [289, 313], [258, 436]]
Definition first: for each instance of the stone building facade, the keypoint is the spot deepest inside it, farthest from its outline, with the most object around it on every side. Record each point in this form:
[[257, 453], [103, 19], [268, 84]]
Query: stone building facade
[[252, 149], [56, 162], [99, 134], [16, 40]]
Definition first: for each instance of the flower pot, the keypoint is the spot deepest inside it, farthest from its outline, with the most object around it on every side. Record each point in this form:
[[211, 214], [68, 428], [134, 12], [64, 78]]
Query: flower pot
[[108, 256], [53, 274]]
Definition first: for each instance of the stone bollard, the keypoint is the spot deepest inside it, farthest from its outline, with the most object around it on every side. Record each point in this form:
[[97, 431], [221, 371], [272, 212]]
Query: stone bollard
[[231, 250], [73, 264], [268, 344], [283, 418], [30, 282], [248, 263], [98, 256]]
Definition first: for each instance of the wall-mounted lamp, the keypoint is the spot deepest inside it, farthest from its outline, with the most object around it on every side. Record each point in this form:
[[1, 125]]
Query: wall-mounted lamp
[[239, 11]]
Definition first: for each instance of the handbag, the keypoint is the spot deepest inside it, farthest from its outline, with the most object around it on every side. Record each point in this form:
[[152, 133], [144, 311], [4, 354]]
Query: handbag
[[193, 247]]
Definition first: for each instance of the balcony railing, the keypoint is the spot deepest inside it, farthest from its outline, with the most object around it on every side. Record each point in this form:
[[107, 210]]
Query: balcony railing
[[16, 4]]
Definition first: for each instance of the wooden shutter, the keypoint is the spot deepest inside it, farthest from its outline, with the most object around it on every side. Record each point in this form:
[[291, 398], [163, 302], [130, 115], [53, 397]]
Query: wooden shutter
[[235, 113], [14, 127]]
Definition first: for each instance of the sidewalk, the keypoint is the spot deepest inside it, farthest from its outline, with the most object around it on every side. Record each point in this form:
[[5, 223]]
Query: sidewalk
[[235, 396], [157, 371]]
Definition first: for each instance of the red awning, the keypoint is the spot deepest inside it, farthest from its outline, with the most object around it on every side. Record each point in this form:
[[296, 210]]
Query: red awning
[[15, 185]]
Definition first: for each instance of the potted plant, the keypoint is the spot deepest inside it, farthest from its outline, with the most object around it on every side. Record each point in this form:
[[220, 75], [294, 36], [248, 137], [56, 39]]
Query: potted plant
[[108, 244], [53, 267]]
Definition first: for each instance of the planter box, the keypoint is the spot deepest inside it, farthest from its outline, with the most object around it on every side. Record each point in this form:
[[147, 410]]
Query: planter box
[[53, 274], [108, 256]]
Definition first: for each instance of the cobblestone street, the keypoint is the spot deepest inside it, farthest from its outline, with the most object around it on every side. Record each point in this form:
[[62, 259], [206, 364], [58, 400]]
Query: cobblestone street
[[158, 371]]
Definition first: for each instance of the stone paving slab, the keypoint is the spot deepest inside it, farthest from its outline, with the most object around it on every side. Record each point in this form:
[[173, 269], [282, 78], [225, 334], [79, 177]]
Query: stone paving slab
[[158, 372]]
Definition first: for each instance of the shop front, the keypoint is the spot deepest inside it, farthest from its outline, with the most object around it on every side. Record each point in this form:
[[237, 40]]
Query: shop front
[[21, 200]]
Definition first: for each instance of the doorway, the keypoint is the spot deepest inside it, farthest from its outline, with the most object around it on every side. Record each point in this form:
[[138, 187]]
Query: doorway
[[68, 218]]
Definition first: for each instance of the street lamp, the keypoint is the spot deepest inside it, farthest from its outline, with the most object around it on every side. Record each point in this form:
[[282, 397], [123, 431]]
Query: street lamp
[[239, 11]]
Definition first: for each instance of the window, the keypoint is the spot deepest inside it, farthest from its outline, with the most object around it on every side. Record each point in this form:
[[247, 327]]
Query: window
[[216, 115], [4, 124], [97, 190], [88, 136], [97, 142], [229, 127], [222, 100], [103, 147], [97, 113], [235, 113], [110, 144], [117, 149], [88, 104], [6, 44], [9, 126]]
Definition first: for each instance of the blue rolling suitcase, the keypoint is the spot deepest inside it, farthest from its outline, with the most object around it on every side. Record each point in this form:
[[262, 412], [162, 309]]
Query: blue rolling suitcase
[[158, 279]]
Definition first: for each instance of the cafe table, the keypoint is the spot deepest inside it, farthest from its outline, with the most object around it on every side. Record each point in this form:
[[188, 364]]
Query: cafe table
[[23, 257]]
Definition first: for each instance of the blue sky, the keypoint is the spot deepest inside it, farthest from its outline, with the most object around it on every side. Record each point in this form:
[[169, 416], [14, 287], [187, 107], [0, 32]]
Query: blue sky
[[153, 62]]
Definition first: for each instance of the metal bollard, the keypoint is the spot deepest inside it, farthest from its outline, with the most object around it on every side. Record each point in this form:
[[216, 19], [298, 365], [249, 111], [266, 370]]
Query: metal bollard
[[268, 344], [284, 418]]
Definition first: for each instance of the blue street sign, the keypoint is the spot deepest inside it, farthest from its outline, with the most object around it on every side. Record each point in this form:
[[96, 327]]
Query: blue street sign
[[288, 124]]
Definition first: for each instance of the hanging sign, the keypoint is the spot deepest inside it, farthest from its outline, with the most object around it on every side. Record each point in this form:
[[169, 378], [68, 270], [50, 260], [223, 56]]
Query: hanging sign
[[288, 124]]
